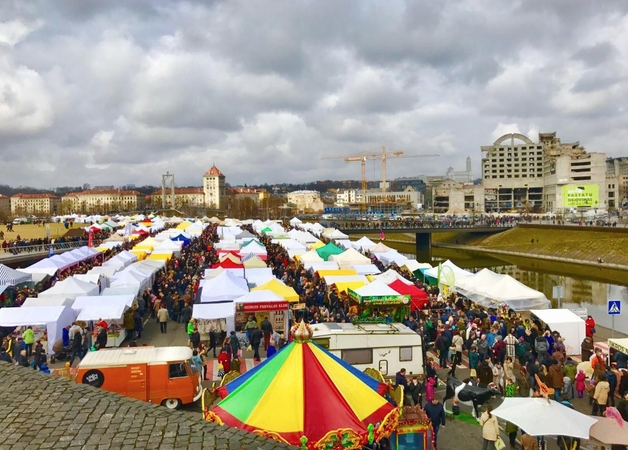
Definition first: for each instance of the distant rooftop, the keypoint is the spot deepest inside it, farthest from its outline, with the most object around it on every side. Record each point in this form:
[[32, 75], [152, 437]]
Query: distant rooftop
[[35, 196], [213, 171]]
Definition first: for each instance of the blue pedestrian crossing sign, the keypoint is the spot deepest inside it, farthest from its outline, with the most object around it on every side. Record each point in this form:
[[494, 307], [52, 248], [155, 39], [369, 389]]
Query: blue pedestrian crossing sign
[[614, 307]]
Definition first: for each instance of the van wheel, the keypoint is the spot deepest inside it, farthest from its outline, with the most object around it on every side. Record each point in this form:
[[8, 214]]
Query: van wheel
[[171, 403]]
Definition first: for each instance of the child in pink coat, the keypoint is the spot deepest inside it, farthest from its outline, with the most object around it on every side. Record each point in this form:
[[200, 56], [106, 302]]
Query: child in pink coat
[[429, 389], [580, 387]]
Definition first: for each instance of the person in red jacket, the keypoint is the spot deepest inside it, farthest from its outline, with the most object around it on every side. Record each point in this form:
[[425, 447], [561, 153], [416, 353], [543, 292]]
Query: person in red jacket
[[224, 358], [590, 326]]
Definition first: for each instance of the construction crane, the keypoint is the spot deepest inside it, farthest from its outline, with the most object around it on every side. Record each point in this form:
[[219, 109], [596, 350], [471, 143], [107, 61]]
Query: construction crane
[[384, 155]]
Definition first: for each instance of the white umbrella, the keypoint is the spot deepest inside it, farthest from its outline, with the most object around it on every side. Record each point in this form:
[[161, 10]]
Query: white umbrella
[[540, 417]]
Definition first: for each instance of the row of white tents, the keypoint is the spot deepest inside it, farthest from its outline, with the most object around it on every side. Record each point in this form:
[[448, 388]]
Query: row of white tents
[[488, 288]]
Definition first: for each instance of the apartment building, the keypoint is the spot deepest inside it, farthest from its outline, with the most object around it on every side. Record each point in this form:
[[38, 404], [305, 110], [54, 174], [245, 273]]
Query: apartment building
[[35, 204], [101, 201]]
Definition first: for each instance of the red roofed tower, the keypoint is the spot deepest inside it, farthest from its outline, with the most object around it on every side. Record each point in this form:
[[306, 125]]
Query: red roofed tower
[[214, 188]]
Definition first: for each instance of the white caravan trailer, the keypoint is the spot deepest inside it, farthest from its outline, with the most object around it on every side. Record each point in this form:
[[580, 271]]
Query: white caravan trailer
[[387, 347]]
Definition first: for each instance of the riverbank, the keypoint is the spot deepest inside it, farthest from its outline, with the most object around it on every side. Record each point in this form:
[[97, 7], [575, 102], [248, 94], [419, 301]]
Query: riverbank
[[585, 245]]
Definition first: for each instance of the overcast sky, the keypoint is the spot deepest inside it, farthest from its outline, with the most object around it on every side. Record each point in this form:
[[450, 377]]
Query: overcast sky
[[120, 91]]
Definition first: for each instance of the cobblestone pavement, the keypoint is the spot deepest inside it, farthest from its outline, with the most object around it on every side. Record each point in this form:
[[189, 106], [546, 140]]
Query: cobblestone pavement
[[44, 412]]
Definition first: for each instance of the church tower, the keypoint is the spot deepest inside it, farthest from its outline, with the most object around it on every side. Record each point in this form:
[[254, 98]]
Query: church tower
[[469, 165], [214, 188]]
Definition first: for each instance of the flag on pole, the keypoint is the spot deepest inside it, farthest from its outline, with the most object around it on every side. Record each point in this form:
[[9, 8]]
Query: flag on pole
[[382, 236]]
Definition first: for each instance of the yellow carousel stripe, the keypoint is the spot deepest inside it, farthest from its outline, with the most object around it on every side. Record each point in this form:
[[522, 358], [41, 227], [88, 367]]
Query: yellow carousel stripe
[[281, 407], [362, 399]]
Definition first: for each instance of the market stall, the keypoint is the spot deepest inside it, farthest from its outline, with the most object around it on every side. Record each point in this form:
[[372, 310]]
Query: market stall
[[419, 299], [71, 288], [306, 397], [44, 319], [109, 306], [225, 286], [348, 258], [569, 325], [384, 298], [278, 287], [260, 304], [113, 314], [220, 316]]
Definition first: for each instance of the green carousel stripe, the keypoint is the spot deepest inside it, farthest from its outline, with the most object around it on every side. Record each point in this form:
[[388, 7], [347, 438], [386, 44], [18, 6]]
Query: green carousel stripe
[[241, 402]]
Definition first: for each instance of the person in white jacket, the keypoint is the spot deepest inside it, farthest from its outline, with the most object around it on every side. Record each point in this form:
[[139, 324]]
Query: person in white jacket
[[490, 429]]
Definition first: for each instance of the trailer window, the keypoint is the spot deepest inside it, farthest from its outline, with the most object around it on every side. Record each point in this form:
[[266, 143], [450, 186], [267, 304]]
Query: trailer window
[[358, 356], [177, 370], [405, 353]]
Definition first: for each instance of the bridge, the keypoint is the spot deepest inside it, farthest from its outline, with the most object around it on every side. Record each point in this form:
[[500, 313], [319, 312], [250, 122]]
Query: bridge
[[422, 231]]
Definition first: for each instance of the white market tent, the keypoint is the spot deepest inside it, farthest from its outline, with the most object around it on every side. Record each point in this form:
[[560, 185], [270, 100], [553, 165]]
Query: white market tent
[[103, 300], [295, 221], [380, 248], [106, 271], [310, 257], [336, 234], [71, 288], [111, 311], [258, 276], [129, 279], [216, 311], [366, 269], [349, 258], [225, 286], [393, 256], [449, 267], [569, 325], [94, 278], [477, 282], [315, 266], [374, 289], [12, 277], [54, 318], [390, 276], [364, 243], [32, 302], [515, 294], [120, 290], [413, 265]]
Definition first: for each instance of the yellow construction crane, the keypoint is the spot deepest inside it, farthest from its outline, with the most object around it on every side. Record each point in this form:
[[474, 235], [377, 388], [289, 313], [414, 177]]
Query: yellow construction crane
[[384, 155]]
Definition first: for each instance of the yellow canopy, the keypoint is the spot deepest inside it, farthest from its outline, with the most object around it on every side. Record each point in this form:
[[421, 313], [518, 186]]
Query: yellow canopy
[[184, 225], [254, 263], [142, 246], [280, 289], [101, 249], [140, 253], [344, 285], [160, 256], [336, 272], [317, 244]]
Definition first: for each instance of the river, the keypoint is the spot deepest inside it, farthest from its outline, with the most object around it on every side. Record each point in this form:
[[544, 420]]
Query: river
[[580, 292]]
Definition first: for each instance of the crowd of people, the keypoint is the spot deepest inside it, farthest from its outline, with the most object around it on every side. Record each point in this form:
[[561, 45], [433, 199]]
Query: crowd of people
[[516, 354]]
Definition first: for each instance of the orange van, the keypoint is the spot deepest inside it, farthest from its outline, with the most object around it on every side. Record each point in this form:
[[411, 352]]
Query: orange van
[[162, 375]]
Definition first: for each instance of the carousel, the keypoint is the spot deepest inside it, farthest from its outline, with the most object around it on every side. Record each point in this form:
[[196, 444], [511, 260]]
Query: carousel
[[306, 397]]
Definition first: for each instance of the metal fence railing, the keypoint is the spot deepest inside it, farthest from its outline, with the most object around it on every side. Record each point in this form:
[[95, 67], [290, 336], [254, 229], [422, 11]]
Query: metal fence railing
[[19, 249]]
